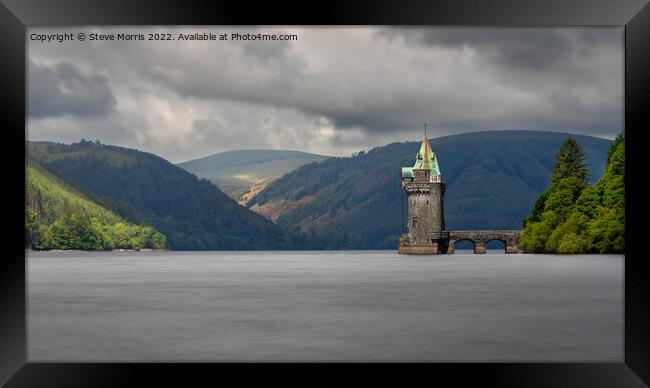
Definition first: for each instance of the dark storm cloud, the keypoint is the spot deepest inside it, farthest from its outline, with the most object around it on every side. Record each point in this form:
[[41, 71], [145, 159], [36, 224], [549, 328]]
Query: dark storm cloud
[[63, 89], [534, 49], [513, 78], [250, 72], [333, 88]]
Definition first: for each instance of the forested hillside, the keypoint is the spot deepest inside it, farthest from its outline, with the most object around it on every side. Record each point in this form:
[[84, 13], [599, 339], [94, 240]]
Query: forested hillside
[[573, 217], [193, 213], [58, 216], [493, 179]]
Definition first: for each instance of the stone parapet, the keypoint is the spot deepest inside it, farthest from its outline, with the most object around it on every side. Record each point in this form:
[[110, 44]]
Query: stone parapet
[[443, 242]]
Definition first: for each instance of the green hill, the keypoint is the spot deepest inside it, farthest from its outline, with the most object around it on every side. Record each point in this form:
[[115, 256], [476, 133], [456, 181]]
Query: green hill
[[59, 216], [142, 187], [493, 179], [236, 171]]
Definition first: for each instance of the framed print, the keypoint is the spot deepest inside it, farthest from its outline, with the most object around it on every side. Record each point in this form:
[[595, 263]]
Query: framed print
[[210, 191]]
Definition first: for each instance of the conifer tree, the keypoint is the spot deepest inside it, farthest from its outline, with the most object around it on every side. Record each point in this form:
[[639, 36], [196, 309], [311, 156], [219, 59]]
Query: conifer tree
[[569, 162], [620, 138]]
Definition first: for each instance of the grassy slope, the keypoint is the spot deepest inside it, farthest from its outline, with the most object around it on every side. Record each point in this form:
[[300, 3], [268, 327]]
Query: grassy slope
[[235, 171]]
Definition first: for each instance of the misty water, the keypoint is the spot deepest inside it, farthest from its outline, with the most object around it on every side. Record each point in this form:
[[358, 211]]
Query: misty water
[[323, 306]]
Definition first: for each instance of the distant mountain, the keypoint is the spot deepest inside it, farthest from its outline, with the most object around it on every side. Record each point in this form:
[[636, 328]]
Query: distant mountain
[[235, 172], [493, 179], [59, 216], [193, 213]]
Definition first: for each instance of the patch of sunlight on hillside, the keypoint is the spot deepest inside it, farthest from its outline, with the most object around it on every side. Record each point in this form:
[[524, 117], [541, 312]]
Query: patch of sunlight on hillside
[[253, 178]]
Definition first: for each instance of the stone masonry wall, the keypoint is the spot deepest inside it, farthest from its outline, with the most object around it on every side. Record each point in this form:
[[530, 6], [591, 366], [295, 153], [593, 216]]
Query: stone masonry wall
[[425, 211], [419, 217]]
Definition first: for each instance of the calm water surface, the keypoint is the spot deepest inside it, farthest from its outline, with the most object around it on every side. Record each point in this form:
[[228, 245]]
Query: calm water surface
[[323, 306]]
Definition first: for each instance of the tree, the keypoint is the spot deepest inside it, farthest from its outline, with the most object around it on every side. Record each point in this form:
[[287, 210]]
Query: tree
[[569, 162], [538, 208], [563, 195], [61, 237], [32, 229], [571, 217], [620, 138], [86, 236], [607, 228]]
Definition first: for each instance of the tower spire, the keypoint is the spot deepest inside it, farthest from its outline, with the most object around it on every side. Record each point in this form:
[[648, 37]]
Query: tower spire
[[426, 159]]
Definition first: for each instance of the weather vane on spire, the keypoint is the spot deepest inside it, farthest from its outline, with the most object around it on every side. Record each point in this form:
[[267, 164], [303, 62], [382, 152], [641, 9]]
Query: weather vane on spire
[[425, 128]]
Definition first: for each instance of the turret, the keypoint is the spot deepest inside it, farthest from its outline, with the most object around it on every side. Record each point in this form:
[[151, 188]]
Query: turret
[[425, 190], [426, 168]]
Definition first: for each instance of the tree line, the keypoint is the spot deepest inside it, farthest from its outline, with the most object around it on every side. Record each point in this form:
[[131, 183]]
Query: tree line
[[59, 217], [79, 231], [571, 216]]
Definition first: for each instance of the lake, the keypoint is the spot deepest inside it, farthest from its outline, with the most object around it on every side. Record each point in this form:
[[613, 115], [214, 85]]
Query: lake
[[323, 306]]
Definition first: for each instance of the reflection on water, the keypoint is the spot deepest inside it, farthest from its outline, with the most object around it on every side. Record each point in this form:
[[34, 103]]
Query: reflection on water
[[324, 306]]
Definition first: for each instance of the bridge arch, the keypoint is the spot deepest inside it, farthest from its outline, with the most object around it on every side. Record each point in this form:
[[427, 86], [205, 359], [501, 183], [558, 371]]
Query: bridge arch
[[477, 244], [499, 239], [461, 240], [480, 238]]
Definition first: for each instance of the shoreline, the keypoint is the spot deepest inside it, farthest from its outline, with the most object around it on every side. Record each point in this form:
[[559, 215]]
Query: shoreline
[[460, 252], [112, 250]]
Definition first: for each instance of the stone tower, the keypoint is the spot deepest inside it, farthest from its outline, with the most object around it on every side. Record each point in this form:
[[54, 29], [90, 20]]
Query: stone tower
[[425, 190]]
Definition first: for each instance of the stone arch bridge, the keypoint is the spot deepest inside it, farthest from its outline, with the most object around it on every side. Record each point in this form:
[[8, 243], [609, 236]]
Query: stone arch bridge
[[481, 237]]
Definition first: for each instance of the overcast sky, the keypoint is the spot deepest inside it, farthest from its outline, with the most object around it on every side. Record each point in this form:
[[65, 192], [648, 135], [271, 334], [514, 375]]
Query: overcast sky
[[333, 91]]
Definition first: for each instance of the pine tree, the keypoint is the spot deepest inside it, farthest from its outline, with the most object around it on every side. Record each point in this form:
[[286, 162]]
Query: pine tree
[[569, 162], [620, 138]]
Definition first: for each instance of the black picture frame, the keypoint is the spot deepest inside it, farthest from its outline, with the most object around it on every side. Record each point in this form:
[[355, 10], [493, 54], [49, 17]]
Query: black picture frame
[[16, 15]]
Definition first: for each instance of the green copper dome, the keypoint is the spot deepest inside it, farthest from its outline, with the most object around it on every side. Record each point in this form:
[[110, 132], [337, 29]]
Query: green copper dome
[[424, 160]]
